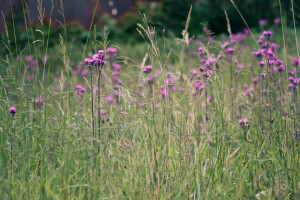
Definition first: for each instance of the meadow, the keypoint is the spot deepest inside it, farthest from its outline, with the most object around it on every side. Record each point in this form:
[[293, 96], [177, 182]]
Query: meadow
[[196, 117]]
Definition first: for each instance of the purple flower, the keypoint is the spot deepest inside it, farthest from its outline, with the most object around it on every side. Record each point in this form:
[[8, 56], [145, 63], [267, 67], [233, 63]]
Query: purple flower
[[147, 69], [209, 99], [281, 68], [243, 122], [84, 72], [229, 51], [80, 90], [267, 34], [248, 91], [193, 71], [295, 61], [262, 22], [40, 102], [201, 69], [12, 110], [45, 59], [103, 112], [116, 66], [277, 20]]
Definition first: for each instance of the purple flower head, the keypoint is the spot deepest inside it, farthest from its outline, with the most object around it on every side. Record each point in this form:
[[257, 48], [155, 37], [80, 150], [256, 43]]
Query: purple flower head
[[243, 123], [101, 53], [102, 112], [117, 80], [180, 89], [245, 86], [110, 100], [151, 79], [261, 63], [12, 110], [201, 52], [209, 99], [262, 22], [45, 59], [248, 91], [290, 86], [6, 85], [112, 51], [40, 102], [267, 34], [84, 72], [147, 69], [116, 66], [115, 73], [277, 20], [295, 61], [29, 58], [80, 90], [268, 106], [201, 69], [229, 51], [193, 71], [225, 45], [281, 68]]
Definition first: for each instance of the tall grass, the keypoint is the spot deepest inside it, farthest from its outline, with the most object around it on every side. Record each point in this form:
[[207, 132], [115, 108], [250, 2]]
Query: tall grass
[[153, 142]]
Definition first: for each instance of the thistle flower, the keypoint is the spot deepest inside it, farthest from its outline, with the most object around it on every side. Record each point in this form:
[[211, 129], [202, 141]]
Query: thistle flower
[[103, 112], [248, 91], [243, 123], [262, 22], [281, 68], [45, 59], [116, 66], [147, 69], [267, 34], [295, 61], [12, 111], [80, 90], [40, 102], [276, 20], [84, 72]]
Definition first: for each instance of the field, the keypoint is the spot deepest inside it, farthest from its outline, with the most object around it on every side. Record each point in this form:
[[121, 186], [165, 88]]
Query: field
[[200, 117]]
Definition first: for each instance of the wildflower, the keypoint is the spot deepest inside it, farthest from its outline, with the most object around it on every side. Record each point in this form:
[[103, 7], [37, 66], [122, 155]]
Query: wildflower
[[40, 102], [116, 66], [267, 34], [281, 68], [209, 99], [6, 85], [201, 52], [45, 59], [229, 51], [295, 61], [245, 86], [193, 71], [103, 112], [12, 111], [248, 91], [262, 22], [276, 20], [268, 106], [180, 89], [80, 90], [147, 69], [243, 122], [255, 80], [201, 69], [84, 72], [152, 79], [110, 100]]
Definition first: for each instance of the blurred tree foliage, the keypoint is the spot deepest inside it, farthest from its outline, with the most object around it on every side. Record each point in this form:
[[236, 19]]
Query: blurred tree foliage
[[171, 15]]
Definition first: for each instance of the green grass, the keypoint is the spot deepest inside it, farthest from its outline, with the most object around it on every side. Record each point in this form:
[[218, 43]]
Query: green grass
[[150, 148]]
